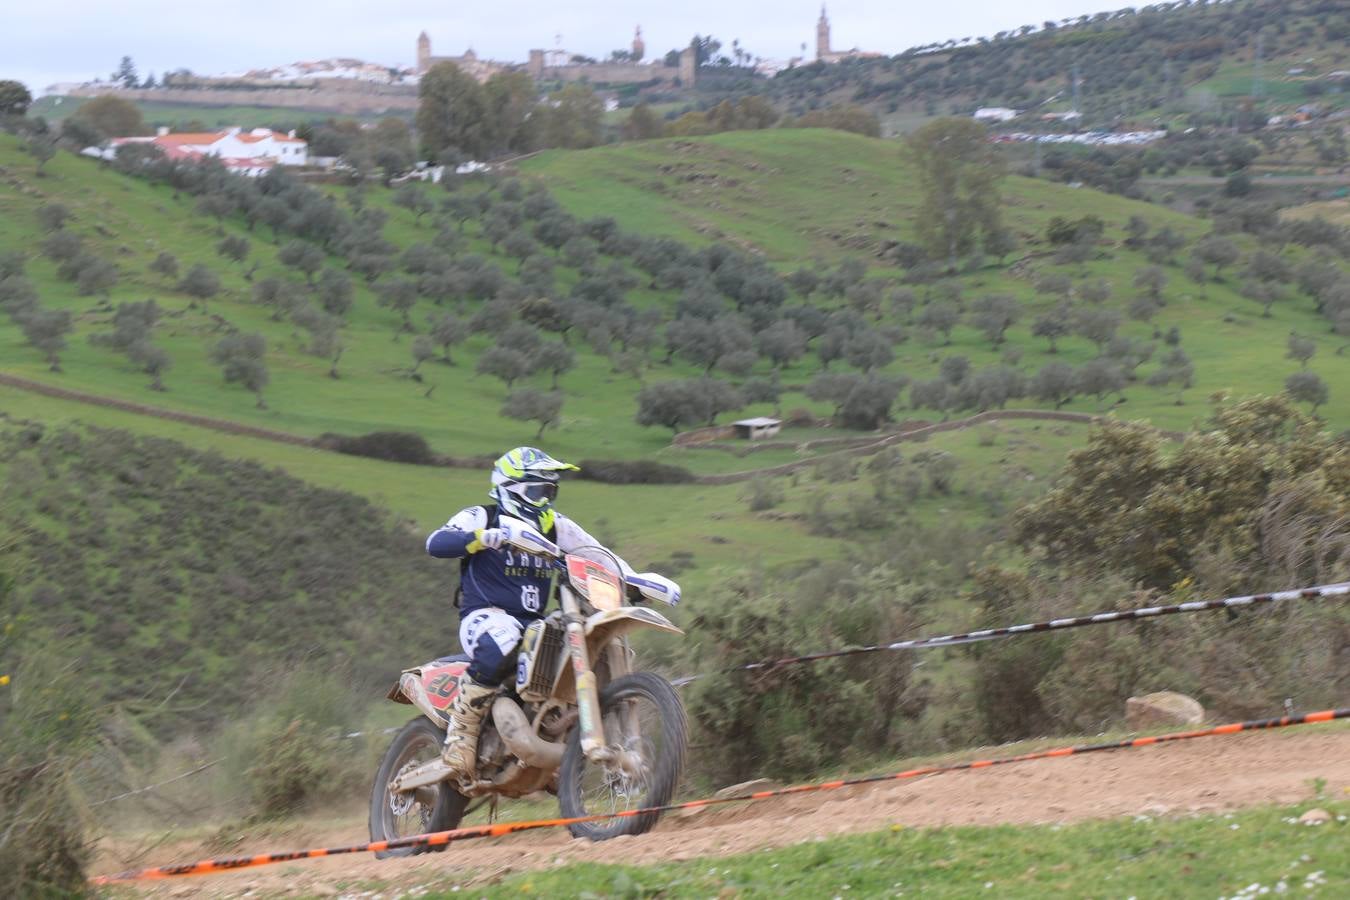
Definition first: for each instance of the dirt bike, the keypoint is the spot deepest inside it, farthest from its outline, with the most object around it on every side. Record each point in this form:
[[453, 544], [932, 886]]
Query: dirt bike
[[577, 721]]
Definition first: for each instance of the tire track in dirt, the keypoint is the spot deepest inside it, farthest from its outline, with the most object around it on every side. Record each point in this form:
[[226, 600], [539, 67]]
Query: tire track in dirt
[[1216, 776]]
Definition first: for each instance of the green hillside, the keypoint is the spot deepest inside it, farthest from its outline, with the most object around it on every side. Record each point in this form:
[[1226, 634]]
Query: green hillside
[[764, 180], [794, 196], [1197, 62], [935, 511], [140, 550]]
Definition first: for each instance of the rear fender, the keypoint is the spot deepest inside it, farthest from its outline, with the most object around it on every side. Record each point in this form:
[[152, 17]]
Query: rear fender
[[430, 687]]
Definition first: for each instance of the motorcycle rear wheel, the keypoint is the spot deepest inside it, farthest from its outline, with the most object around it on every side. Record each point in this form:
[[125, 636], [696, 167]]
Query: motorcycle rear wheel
[[586, 789], [436, 808]]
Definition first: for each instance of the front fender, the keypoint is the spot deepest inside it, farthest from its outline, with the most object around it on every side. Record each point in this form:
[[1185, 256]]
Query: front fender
[[603, 626]]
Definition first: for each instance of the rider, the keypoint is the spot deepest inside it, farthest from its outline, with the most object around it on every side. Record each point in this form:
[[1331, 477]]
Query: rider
[[502, 588]]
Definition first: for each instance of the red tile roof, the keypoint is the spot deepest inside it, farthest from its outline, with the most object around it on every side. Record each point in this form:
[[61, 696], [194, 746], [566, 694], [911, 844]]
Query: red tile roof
[[178, 140]]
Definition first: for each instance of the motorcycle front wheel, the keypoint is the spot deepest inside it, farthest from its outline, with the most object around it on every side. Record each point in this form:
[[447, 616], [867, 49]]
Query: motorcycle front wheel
[[646, 728], [436, 808]]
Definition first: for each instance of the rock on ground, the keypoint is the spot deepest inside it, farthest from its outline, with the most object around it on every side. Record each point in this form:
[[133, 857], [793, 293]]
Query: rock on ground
[[1162, 709]]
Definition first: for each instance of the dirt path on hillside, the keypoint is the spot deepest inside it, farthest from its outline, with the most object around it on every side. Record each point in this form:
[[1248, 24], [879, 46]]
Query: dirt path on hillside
[[1206, 776]]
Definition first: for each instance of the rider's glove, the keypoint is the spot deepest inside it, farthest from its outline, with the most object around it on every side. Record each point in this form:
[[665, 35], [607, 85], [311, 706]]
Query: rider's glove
[[491, 538]]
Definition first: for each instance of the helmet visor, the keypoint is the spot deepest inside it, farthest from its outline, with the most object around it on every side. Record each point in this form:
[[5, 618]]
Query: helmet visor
[[536, 492]]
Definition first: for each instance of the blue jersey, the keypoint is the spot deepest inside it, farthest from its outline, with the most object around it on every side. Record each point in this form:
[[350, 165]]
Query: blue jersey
[[507, 579]]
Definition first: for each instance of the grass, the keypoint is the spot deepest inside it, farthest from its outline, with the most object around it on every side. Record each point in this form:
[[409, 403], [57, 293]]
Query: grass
[[1237, 78], [1212, 856], [1336, 212], [645, 523], [791, 194]]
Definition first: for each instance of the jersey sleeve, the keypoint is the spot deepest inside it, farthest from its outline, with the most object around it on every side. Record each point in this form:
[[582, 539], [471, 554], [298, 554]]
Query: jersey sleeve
[[452, 539], [572, 538]]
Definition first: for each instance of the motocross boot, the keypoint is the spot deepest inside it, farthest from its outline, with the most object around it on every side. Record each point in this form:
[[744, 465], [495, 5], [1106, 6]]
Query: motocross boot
[[466, 715]]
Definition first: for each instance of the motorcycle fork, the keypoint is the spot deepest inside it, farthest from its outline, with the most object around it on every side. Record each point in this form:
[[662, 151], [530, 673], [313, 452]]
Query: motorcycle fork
[[588, 694], [620, 657]]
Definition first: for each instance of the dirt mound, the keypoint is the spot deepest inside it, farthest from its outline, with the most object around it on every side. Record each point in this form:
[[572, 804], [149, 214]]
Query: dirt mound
[[1172, 779]]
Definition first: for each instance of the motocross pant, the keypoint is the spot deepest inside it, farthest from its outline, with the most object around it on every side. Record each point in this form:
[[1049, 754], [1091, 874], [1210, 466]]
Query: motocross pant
[[490, 635]]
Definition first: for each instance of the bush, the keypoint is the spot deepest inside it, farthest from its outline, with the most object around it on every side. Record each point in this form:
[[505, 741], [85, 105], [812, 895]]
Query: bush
[[391, 446], [617, 471], [290, 743], [292, 762], [1239, 666], [799, 719], [47, 725], [765, 493]]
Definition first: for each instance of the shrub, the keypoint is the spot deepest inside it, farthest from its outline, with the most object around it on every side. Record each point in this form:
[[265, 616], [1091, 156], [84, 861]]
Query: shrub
[[391, 446], [292, 762], [765, 493], [617, 471], [799, 719], [47, 724], [289, 745]]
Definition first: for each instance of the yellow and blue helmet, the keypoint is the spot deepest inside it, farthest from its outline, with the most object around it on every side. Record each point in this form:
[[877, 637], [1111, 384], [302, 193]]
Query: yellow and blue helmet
[[525, 483]]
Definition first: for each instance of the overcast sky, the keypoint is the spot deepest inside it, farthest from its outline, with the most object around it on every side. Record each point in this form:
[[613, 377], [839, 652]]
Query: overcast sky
[[77, 40]]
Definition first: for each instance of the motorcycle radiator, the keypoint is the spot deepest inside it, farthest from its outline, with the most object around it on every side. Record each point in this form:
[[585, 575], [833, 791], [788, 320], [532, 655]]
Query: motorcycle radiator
[[540, 661]]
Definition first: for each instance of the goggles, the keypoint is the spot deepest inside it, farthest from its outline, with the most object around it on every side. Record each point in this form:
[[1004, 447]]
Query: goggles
[[536, 492]]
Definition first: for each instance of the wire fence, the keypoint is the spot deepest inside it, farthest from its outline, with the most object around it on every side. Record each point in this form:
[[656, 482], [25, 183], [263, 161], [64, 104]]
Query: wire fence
[[1340, 589]]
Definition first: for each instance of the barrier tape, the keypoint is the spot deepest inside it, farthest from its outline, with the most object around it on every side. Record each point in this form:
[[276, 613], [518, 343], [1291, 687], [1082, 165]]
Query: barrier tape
[[442, 838], [953, 640]]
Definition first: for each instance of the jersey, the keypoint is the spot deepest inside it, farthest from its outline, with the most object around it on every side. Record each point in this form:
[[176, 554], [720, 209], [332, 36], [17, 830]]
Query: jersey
[[507, 578]]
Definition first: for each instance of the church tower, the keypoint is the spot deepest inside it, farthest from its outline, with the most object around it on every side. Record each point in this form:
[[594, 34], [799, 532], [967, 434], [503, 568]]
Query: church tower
[[639, 47], [423, 53], [823, 34]]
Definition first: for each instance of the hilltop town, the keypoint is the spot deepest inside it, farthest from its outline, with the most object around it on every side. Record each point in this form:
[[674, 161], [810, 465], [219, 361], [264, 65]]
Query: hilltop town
[[354, 86]]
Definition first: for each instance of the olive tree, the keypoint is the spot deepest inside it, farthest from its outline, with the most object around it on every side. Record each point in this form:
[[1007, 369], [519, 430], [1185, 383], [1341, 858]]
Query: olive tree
[[532, 405], [200, 281], [46, 330], [446, 330], [241, 358], [1307, 387]]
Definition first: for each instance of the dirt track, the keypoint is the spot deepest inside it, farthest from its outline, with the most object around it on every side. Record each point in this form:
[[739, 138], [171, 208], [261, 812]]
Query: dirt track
[[1211, 775]]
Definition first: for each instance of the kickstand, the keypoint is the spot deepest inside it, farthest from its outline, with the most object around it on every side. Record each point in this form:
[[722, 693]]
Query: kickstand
[[492, 809]]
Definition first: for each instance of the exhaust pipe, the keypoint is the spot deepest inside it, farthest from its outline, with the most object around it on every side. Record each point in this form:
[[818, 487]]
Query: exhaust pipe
[[521, 740]]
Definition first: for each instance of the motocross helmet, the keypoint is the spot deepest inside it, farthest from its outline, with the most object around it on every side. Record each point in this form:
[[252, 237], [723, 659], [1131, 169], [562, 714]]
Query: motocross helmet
[[525, 483]]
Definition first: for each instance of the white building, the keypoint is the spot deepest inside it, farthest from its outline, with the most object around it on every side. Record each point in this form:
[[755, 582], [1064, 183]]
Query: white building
[[250, 153], [757, 428], [995, 114]]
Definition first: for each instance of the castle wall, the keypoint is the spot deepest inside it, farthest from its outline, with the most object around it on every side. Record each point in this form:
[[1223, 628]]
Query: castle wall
[[603, 73], [688, 67]]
